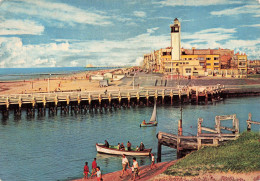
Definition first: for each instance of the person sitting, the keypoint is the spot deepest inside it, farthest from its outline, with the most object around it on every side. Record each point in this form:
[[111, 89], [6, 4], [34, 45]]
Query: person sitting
[[106, 144], [141, 146], [143, 122], [118, 146], [122, 147], [128, 146], [137, 148]]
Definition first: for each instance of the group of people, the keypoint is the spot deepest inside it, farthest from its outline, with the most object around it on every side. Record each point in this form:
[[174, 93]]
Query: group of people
[[135, 167], [94, 172], [129, 144]]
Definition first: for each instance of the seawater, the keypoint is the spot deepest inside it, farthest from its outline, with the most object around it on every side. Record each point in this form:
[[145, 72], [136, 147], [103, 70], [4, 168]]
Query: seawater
[[9, 74], [55, 147]]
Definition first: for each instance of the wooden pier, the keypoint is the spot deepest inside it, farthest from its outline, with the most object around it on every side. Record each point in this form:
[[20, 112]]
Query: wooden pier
[[78, 100], [186, 144]]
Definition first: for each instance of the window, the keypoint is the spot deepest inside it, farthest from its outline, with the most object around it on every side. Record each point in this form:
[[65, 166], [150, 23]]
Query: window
[[208, 58], [202, 64], [187, 62], [188, 70], [216, 63], [190, 58], [201, 58], [215, 58], [208, 64]]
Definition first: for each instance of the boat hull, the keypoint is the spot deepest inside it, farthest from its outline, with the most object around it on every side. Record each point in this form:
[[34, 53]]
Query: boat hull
[[149, 124], [112, 151]]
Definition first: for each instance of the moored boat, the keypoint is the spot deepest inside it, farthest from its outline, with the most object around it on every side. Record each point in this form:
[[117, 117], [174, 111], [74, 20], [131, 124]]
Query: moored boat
[[112, 150]]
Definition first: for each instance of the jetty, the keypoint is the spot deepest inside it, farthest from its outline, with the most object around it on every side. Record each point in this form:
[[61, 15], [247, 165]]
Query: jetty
[[77, 100], [205, 136]]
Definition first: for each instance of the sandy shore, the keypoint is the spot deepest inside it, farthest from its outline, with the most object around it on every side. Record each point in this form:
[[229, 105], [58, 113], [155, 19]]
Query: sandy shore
[[73, 82]]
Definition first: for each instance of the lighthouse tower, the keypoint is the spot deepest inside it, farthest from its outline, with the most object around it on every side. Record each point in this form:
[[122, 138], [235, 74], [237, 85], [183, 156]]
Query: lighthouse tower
[[176, 40]]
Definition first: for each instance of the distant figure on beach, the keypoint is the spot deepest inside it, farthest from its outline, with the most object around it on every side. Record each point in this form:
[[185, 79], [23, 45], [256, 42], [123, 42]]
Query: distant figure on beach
[[122, 147], [86, 170], [94, 167], [105, 92], [136, 168], [128, 146], [98, 173], [153, 160], [106, 144], [125, 163], [141, 147]]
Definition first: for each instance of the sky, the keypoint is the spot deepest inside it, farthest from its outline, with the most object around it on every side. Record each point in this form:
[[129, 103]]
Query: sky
[[69, 33]]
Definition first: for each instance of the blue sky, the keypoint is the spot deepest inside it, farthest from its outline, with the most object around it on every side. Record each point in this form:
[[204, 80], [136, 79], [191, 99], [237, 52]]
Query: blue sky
[[64, 33]]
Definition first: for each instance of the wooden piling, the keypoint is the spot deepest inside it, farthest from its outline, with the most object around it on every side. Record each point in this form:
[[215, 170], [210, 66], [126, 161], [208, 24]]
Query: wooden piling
[[180, 127], [197, 95]]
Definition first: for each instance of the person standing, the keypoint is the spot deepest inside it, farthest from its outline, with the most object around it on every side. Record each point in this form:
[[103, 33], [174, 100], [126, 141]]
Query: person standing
[[106, 144], [99, 174], [128, 146], [94, 167], [153, 161], [125, 163], [136, 168], [141, 147], [86, 170]]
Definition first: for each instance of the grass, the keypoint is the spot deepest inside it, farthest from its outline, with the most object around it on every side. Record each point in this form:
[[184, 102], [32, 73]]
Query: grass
[[241, 155]]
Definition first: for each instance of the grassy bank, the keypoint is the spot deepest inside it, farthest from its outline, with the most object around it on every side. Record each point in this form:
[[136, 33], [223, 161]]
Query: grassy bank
[[241, 155]]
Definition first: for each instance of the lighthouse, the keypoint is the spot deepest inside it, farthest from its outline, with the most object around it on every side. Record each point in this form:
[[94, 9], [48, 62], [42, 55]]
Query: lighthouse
[[176, 39]]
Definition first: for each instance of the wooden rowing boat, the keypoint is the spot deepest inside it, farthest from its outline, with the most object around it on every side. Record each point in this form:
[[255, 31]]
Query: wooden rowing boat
[[153, 120], [113, 151]]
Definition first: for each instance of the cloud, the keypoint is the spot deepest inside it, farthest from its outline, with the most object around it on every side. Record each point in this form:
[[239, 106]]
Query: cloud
[[20, 27], [254, 25], [65, 13], [196, 2], [140, 14], [247, 9], [221, 37], [13, 53]]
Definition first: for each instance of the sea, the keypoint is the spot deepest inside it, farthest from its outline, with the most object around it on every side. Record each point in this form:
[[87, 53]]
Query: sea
[[14, 74], [56, 147]]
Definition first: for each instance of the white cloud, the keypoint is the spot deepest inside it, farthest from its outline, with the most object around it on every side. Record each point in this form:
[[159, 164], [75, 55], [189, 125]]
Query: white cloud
[[247, 9], [79, 53], [152, 30], [15, 27], [140, 14], [57, 11], [224, 38], [254, 25], [196, 2]]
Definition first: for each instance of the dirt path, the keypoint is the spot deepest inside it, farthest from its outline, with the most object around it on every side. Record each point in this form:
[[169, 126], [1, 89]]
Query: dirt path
[[146, 173]]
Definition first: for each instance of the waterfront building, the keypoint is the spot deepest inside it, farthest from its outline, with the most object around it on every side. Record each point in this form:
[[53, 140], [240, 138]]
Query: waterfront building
[[177, 60]]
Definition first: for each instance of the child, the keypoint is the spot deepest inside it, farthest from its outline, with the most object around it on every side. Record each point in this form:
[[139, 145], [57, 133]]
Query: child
[[99, 175], [153, 160], [86, 171]]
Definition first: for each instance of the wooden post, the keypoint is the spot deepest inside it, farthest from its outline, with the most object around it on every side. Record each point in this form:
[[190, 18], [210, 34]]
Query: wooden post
[[200, 120], [215, 141], [99, 99], [179, 155], [197, 95], [188, 93], [217, 121], [159, 152], [89, 100], [199, 142], [171, 94], [249, 122], [128, 99], [79, 99], [163, 94], [147, 98], [119, 98], [20, 102], [179, 94], [180, 127], [137, 97], [206, 97]]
